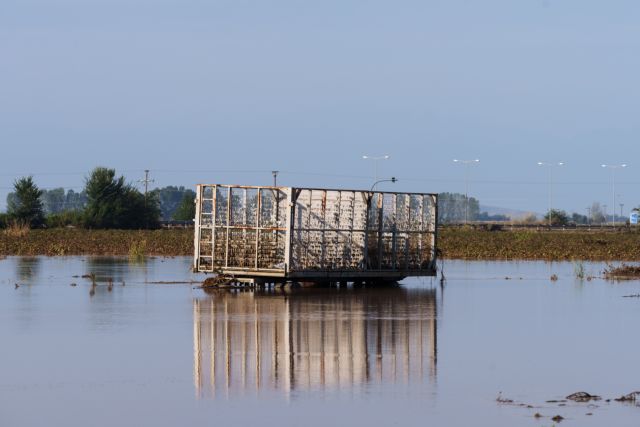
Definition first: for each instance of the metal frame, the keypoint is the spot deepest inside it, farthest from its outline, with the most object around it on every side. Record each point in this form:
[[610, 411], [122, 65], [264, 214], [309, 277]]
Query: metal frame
[[291, 222]]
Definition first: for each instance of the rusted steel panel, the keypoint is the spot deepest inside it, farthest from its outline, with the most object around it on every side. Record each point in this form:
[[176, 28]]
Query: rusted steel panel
[[311, 232]]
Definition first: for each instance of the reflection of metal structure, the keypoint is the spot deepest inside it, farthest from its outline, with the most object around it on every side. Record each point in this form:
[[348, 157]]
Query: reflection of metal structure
[[313, 339], [287, 233]]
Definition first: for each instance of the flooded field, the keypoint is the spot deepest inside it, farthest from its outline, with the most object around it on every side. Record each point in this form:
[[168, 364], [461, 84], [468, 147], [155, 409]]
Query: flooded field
[[138, 344]]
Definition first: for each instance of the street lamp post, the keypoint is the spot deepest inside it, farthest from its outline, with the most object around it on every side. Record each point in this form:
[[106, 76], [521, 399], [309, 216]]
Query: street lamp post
[[375, 161], [466, 164], [613, 188], [550, 166]]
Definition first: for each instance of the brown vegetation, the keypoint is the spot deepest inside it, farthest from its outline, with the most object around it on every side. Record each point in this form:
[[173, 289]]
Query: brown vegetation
[[454, 244], [62, 241], [622, 272], [539, 245]]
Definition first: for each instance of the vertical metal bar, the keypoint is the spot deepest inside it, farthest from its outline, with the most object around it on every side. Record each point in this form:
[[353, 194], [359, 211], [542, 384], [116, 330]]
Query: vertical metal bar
[[214, 196], [258, 209], [434, 222], [197, 230], [288, 233], [350, 240], [336, 246], [380, 228], [324, 227], [394, 234], [422, 231], [307, 263], [367, 220], [226, 251]]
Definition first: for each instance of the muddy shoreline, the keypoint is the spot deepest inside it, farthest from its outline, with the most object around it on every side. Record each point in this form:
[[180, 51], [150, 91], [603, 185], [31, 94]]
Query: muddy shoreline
[[453, 243]]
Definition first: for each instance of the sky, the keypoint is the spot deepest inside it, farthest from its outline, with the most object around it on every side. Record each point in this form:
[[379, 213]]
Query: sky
[[226, 91]]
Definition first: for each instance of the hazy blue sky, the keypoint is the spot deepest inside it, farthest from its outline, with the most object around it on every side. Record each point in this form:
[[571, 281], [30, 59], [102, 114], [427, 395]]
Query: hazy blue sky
[[225, 91]]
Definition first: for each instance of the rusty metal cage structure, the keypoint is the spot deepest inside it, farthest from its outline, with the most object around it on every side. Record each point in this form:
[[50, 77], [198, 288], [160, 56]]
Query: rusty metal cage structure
[[314, 234]]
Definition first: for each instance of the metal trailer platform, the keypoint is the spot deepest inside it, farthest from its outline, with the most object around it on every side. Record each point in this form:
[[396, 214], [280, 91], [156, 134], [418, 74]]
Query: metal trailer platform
[[279, 234]]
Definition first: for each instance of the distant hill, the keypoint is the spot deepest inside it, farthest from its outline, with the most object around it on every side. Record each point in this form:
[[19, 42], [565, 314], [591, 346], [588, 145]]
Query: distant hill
[[511, 213]]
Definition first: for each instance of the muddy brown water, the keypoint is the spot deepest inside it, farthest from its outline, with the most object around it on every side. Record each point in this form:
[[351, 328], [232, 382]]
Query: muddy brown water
[[131, 350]]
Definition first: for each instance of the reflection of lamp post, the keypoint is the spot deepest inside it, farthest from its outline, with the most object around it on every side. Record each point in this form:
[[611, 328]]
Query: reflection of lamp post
[[550, 166], [375, 161], [466, 164], [613, 188], [392, 179]]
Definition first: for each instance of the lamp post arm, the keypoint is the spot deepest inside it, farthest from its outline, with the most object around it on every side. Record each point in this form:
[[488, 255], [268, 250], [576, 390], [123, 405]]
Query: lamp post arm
[[393, 179]]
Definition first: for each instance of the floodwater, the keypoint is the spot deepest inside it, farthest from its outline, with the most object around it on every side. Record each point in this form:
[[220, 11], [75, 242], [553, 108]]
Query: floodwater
[[138, 352]]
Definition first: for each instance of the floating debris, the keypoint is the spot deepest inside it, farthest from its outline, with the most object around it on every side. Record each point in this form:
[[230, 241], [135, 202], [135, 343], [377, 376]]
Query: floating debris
[[219, 281], [582, 396], [631, 296], [16, 286], [537, 415], [631, 397], [177, 282], [622, 272], [501, 399], [73, 284], [557, 418], [554, 277]]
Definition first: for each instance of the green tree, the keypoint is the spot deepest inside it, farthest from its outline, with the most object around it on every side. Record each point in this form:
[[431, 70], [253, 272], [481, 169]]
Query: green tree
[[452, 207], [579, 219], [558, 217], [170, 198], [53, 200], [111, 203], [186, 211], [26, 206]]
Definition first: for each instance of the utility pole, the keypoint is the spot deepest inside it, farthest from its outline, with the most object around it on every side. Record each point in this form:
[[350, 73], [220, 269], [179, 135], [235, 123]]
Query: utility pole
[[613, 188], [466, 164], [588, 216], [275, 177], [550, 166], [146, 182], [621, 206]]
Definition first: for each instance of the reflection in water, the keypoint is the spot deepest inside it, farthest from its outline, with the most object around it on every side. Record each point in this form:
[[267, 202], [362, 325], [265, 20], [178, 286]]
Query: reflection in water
[[27, 268], [313, 338]]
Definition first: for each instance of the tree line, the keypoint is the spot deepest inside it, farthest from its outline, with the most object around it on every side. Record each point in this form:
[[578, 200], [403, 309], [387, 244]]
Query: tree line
[[107, 201]]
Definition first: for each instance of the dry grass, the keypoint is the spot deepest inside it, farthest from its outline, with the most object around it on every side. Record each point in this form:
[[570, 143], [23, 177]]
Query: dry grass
[[16, 229], [64, 241], [539, 245], [454, 243]]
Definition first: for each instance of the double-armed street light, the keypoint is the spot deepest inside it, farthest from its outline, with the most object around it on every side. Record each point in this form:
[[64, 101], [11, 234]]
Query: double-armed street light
[[376, 159], [466, 164], [613, 187], [550, 166]]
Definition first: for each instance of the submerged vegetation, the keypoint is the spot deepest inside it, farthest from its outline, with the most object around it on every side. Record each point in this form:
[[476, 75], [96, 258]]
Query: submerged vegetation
[[622, 272]]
